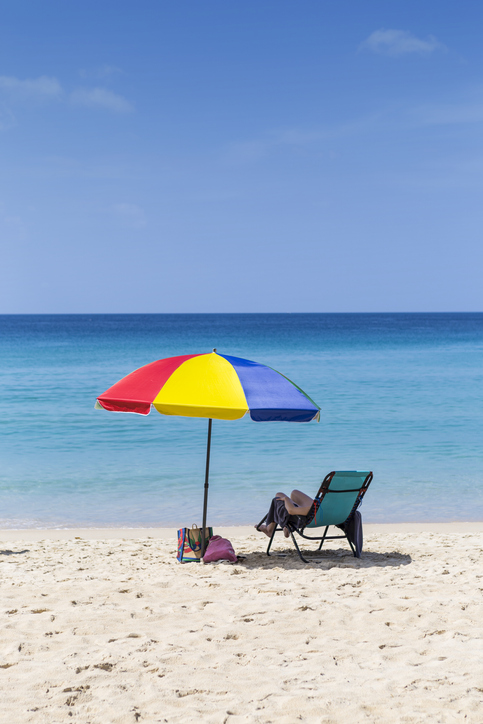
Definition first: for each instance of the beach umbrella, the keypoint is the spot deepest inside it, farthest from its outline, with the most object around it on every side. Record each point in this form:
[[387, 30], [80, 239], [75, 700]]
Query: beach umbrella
[[214, 386]]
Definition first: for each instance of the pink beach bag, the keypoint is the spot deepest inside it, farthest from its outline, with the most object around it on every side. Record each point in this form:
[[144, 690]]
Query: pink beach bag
[[219, 549]]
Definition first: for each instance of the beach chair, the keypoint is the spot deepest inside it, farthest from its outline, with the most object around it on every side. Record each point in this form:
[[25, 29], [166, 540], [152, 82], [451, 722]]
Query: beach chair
[[336, 504]]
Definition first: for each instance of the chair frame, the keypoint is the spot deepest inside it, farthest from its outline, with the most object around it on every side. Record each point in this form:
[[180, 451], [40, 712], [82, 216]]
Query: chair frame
[[322, 492]]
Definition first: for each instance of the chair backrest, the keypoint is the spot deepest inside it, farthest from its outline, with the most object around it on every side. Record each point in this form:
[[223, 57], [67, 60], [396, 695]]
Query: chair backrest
[[340, 493]]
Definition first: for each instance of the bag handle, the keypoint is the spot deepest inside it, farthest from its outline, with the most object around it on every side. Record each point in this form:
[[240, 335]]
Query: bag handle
[[195, 545]]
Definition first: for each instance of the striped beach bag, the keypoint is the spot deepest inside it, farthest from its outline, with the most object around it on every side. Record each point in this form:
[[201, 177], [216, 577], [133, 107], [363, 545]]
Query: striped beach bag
[[189, 543]]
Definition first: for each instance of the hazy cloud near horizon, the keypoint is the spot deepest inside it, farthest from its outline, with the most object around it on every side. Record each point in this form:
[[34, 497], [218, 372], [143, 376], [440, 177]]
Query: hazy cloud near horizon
[[49, 88], [129, 214], [42, 87], [400, 42], [100, 98], [103, 72]]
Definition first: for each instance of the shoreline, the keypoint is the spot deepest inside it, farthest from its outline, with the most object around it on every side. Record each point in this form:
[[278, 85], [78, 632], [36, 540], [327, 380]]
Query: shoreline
[[37, 534]]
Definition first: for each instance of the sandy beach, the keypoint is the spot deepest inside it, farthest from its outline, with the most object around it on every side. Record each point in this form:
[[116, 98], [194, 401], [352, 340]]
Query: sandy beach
[[105, 626]]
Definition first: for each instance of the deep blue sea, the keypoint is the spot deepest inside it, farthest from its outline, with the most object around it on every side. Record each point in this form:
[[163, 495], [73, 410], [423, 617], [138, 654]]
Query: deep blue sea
[[400, 394]]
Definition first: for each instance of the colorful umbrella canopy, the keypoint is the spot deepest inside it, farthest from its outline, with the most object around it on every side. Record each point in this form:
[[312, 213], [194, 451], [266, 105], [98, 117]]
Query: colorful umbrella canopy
[[210, 385]]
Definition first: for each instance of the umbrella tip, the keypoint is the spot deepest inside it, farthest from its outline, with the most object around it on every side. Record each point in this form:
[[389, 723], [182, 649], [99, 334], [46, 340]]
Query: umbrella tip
[[214, 349]]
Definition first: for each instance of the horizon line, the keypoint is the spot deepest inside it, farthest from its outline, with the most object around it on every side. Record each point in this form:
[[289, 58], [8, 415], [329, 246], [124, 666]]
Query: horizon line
[[106, 314]]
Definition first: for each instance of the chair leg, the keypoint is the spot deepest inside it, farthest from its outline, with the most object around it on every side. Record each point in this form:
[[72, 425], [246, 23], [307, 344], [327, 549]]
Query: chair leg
[[323, 539], [298, 549], [277, 529], [352, 548], [271, 539]]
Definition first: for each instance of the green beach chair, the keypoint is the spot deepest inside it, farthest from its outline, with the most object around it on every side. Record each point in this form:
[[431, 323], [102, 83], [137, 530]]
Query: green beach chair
[[336, 504]]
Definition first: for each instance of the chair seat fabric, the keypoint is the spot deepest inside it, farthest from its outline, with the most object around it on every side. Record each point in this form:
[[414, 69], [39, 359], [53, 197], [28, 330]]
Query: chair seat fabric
[[339, 499]]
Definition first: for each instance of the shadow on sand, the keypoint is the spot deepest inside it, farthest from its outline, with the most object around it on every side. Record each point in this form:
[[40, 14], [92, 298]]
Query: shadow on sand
[[13, 553], [329, 558]]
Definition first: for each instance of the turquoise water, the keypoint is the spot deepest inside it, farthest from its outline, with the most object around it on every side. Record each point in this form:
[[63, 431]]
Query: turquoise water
[[400, 394]]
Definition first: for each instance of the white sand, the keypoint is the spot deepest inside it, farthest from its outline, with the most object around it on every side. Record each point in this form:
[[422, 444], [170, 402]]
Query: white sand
[[109, 628]]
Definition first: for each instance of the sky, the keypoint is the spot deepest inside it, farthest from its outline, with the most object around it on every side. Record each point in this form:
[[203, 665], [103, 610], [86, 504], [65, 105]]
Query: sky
[[255, 156]]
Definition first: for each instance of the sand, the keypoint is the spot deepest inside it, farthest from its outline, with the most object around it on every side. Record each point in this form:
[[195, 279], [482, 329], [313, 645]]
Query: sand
[[106, 627]]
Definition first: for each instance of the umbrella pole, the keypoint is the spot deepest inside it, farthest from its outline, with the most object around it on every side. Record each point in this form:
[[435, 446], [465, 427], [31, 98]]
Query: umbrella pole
[[207, 475]]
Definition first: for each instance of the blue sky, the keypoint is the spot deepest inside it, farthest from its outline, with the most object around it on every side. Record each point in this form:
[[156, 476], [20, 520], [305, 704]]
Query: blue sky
[[214, 156]]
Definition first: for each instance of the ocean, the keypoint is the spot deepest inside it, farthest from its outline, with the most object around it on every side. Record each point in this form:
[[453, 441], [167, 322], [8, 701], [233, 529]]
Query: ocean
[[400, 394]]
